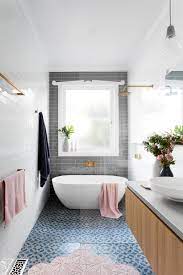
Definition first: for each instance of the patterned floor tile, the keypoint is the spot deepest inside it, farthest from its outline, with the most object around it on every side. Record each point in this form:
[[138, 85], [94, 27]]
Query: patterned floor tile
[[42, 250], [60, 231], [124, 253]]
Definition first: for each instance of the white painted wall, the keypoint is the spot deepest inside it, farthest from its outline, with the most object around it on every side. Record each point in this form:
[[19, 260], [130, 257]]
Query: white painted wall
[[18, 149]]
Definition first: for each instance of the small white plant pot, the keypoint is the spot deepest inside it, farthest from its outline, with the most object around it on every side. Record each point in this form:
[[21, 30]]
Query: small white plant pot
[[65, 146]]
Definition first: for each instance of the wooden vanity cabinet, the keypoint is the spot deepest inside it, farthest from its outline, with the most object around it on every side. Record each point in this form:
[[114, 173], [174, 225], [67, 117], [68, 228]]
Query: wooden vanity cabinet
[[163, 249]]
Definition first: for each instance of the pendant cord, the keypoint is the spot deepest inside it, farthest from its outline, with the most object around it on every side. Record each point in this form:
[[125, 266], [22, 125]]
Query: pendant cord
[[170, 12]]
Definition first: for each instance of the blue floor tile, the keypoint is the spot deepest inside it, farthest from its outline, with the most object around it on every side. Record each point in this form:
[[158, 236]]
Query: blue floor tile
[[60, 231]]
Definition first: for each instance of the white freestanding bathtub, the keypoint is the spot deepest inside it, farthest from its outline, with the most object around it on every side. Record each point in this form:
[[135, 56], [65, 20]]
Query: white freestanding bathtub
[[82, 191]]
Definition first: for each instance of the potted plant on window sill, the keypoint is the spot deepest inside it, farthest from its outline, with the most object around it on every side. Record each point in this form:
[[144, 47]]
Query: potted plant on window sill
[[66, 132]]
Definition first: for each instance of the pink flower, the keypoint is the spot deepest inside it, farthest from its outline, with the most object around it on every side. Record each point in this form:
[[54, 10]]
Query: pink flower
[[171, 147], [169, 151], [160, 157], [169, 157]]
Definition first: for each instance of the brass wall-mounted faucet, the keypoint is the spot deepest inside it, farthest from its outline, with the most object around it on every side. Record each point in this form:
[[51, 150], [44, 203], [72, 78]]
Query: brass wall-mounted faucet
[[89, 163]]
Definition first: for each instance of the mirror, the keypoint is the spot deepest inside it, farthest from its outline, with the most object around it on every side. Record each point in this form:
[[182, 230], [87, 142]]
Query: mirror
[[174, 81]]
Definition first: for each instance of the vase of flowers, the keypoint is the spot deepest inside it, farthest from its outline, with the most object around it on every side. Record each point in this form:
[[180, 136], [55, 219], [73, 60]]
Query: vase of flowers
[[166, 171], [66, 132], [166, 160], [161, 146], [156, 168]]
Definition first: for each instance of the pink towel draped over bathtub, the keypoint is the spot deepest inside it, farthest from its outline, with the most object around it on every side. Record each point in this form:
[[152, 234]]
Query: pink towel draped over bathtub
[[14, 195], [108, 201]]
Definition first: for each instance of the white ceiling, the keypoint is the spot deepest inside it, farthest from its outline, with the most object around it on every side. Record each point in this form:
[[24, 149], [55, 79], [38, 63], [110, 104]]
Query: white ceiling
[[47, 35]]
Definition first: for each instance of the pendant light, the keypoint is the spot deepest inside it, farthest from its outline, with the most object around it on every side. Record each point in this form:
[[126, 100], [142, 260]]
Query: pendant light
[[173, 44], [171, 29]]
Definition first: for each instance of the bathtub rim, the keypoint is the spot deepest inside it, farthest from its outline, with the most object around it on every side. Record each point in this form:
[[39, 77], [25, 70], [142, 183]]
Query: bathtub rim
[[55, 180]]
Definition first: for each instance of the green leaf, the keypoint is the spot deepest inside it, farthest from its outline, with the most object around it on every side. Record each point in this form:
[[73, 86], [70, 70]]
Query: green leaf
[[67, 131]]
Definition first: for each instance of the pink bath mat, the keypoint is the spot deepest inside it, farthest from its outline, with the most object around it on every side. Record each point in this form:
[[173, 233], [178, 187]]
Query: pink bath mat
[[82, 262]]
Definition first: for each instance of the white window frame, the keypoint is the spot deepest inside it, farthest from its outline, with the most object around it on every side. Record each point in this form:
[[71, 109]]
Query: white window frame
[[94, 85]]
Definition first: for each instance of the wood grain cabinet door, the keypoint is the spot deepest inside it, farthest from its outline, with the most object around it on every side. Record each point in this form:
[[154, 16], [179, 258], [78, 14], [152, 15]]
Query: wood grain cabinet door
[[149, 242], [132, 216], [163, 249], [170, 252], [143, 224]]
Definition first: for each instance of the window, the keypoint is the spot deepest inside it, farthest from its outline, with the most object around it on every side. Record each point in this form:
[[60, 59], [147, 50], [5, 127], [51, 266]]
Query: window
[[93, 111]]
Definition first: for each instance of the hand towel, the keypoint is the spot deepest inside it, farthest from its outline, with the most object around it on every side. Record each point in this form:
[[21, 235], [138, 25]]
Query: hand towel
[[108, 201], [43, 152], [14, 196]]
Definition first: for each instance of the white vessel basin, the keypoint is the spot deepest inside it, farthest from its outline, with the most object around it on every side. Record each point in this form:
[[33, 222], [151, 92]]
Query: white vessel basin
[[169, 187]]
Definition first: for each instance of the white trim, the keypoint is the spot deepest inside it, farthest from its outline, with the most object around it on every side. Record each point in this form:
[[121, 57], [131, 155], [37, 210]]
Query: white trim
[[92, 82], [114, 111], [88, 154]]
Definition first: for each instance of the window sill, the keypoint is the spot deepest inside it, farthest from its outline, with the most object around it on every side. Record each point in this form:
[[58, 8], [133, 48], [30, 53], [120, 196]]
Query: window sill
[[89, 154]]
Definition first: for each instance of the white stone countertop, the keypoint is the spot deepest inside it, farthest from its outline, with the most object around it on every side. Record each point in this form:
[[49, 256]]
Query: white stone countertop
[[170, 212]]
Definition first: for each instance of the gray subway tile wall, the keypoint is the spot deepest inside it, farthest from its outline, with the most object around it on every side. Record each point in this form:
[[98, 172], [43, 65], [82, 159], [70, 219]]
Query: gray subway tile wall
[[73, 165]]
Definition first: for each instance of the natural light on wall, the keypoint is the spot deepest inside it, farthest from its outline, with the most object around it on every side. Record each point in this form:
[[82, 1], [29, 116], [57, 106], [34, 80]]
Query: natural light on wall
[[93, 111], [156, 110]]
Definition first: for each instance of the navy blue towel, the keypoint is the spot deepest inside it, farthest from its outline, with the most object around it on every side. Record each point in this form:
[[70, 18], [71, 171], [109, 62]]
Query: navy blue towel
[[43, 152]]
